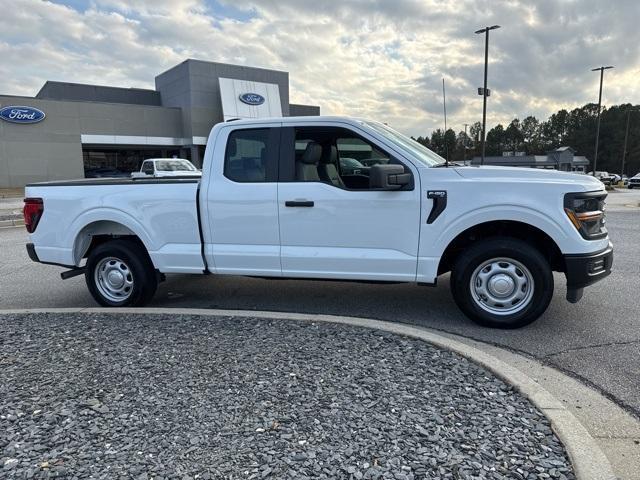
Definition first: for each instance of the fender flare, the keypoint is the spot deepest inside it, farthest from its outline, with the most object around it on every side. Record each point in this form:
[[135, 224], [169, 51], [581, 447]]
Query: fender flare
[[102, 214], [494, 213]]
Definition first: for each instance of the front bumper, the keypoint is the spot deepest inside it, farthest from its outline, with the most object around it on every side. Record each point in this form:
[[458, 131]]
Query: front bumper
[[583, 270]]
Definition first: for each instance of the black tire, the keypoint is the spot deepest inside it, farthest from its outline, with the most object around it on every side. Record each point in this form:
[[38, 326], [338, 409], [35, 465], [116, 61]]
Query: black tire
[[139, 272], [537, 269]]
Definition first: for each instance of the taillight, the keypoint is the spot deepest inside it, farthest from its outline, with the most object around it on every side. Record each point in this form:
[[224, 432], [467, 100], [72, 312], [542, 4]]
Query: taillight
[[33, 208]]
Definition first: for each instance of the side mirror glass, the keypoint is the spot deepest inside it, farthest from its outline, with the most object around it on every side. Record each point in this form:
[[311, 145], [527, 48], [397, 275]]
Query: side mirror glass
[[388, 177]]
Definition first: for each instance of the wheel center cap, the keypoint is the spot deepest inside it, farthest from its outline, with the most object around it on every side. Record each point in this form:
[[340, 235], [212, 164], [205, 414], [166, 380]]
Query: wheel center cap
[[501, 285], [115, 278]]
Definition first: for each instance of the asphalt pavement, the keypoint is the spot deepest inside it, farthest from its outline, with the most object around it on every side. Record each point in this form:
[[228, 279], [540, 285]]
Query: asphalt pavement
[[596, 340]]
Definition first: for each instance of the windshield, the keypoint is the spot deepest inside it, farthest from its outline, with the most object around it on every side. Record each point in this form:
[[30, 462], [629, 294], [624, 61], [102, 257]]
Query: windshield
[[419, 151], [175, 166]]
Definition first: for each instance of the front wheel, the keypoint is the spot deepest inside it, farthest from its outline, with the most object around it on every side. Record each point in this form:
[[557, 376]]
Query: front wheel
[[119, 273], [502, 283]]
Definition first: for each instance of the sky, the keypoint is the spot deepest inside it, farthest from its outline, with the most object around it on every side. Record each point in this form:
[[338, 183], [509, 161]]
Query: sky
[[378, 59]]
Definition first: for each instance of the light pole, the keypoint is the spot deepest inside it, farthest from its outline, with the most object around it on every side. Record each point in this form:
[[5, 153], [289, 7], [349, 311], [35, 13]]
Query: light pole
[[484, 91], [595, 155]]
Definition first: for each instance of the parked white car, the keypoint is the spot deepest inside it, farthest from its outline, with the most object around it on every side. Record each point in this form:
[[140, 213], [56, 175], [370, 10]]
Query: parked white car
[[275, 200], [604, 177], [167, 167], [634, 182]]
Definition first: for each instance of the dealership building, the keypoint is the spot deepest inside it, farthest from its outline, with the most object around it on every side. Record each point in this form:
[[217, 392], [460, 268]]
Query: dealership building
[[69, 130]]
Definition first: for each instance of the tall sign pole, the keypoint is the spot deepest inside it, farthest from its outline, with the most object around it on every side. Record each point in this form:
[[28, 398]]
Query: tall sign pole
[[484, 91], [595, 153]]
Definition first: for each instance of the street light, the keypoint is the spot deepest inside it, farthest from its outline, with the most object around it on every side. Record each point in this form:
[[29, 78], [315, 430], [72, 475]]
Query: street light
[[484, 91], [595, 155]]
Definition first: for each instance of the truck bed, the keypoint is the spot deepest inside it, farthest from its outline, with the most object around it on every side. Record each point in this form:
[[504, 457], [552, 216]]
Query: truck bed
[[162, 212]]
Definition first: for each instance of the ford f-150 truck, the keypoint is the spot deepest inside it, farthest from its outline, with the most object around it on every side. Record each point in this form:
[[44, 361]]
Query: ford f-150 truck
[[275, 200]]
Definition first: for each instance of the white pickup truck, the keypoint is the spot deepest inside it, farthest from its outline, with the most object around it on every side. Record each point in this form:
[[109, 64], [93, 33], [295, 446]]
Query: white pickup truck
[[330, 198]]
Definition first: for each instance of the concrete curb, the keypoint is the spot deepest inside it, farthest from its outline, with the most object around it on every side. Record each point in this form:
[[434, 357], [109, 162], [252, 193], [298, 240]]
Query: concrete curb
[[589, 461], [14, 222]]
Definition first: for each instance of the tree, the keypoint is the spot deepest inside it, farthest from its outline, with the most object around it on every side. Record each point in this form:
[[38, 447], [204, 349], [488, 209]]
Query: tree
[[437, 142], [513, 137], [575, 128], [555, 129], [450, 144], [463, 144], [422, 140], [531, 133], [495, 141], [475, 131]]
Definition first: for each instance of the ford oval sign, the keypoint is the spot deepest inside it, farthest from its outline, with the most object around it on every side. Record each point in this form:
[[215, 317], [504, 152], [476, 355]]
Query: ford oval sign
[[252, 99], [21, 114]]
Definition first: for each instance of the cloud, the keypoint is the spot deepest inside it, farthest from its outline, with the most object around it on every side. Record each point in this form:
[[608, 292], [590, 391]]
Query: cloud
[[371, 58]]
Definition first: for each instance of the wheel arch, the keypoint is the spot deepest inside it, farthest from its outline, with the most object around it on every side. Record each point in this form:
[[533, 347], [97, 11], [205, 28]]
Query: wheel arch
[[102, 225], [526, 232]]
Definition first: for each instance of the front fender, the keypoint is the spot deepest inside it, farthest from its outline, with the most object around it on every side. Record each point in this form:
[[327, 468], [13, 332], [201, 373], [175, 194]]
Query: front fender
[[515, 213], [433, 243]]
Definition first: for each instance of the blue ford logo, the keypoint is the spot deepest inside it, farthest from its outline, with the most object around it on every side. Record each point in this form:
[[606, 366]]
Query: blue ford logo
[[21, 114], [252, 99]]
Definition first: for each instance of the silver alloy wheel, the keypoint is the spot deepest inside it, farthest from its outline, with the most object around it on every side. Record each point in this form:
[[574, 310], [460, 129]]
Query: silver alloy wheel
[[114, 279], [502, 286]]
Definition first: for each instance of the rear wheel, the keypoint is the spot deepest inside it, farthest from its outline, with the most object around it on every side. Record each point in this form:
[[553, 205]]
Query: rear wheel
[[502, 283], [119, 273]]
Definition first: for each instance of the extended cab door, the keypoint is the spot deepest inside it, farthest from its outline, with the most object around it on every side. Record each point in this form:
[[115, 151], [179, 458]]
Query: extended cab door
[[240, 201], [332, 225]]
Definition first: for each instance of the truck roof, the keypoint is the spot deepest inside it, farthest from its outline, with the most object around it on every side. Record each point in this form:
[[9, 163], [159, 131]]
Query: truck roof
[[309, 119]]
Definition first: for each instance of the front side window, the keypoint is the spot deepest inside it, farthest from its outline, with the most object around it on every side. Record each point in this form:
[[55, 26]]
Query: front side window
[[147, 167], [249, 156], [336, 156]]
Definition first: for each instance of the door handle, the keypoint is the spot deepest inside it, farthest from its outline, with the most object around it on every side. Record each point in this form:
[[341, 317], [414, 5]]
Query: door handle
[[298, 203]]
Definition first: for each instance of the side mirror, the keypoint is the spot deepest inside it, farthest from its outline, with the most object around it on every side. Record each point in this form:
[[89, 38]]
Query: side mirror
[[388, 177]]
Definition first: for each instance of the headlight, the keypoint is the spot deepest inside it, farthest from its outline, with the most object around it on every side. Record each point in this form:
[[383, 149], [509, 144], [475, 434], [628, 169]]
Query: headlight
[[586, 212]]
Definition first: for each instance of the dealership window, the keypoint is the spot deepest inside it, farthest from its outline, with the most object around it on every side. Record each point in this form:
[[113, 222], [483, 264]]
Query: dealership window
[[115, 162], [251, 155]]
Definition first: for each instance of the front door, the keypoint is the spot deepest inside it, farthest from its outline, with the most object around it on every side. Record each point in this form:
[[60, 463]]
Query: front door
[[332, 225]]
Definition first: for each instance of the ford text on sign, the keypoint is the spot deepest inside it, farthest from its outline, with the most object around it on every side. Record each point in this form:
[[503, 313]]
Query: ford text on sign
[[252, 99], [21, 114]]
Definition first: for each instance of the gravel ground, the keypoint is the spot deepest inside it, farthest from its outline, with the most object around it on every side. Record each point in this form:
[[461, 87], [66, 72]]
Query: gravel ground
[[186, 397]]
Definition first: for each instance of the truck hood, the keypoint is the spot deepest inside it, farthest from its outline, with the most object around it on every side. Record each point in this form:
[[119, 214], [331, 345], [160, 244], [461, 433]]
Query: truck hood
[[529, 175]]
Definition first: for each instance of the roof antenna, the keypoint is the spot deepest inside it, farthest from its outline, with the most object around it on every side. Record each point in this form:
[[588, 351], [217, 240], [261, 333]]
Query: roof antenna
[[444, 106]]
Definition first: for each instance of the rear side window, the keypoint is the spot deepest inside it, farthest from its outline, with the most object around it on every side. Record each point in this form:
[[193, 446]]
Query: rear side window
[[251, 155]]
